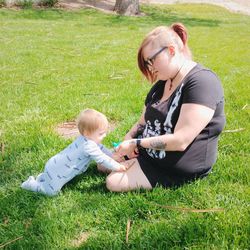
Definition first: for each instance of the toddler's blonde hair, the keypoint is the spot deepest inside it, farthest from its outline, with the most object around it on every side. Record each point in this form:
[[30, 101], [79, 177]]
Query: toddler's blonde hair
[[89, 120]]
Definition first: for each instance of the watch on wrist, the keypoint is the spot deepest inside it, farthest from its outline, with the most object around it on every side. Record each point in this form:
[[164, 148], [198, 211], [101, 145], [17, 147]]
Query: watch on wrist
[[138, 142]]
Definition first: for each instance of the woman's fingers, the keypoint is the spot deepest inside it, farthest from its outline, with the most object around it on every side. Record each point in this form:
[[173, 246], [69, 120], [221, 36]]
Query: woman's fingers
[[125, 148]]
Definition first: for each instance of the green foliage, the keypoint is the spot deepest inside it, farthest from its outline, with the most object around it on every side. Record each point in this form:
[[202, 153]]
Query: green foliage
[[54, 63], [48, 3], [2, 3], [26, 4]]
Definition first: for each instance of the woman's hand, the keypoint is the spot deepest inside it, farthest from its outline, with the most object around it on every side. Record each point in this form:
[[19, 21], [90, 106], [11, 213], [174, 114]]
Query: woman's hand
[[117, 157], [126, 147], [134, 154]]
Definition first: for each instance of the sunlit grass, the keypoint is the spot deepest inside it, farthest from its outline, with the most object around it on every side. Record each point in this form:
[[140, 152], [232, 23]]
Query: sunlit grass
[[53, 64]]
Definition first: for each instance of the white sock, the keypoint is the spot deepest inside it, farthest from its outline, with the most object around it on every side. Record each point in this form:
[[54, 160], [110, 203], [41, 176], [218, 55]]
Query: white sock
[[31, 184]]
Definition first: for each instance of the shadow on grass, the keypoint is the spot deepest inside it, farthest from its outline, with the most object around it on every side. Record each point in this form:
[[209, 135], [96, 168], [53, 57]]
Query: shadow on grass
[[92, 181], [153, 16], [162, 16]]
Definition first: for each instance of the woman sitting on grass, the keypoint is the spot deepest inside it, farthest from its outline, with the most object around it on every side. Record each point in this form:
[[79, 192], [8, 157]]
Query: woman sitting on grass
[[75, 159], [182, 118]]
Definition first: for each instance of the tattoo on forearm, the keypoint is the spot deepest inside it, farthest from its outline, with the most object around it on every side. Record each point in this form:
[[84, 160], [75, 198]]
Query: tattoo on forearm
[[158, 145]]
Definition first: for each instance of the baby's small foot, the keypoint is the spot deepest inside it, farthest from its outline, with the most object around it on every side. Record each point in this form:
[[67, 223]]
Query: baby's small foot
[[31, 184]]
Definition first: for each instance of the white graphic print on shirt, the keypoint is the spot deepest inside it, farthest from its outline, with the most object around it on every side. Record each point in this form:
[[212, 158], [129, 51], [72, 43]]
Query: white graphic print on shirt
[[154, 129]]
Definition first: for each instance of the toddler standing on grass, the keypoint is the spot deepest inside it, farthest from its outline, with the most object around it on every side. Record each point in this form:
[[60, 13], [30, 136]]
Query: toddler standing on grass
[[75, 158]]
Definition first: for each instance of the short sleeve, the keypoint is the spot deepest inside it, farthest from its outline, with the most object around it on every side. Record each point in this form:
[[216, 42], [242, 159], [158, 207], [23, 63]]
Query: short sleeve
[[203, 88]]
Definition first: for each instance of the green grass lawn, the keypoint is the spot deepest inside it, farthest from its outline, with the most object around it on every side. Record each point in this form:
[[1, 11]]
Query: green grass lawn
[[54, 63]]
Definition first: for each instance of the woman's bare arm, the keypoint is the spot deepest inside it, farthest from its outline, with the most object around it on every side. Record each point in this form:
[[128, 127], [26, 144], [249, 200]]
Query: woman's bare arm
[[192, 120], [132, 132]]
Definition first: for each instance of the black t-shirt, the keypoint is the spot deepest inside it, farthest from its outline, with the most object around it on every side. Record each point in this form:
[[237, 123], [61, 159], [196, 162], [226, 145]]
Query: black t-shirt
[[168, 168]]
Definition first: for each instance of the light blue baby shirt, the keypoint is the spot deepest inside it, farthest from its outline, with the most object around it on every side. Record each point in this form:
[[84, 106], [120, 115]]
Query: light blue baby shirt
[[70, 162]]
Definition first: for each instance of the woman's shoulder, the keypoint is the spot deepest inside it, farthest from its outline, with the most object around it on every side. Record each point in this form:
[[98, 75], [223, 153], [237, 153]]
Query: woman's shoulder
[[203, 86], [201, 77], [201, 72]]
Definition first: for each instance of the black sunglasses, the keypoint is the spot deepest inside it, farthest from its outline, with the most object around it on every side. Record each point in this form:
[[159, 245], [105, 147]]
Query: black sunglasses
[[150, 61]]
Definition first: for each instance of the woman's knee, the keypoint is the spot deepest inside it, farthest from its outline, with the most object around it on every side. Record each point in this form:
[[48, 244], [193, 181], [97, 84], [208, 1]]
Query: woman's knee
[[132, 179], [114, 182]]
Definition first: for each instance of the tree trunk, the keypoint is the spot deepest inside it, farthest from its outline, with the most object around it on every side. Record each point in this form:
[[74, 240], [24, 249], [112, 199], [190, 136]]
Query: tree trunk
[[127, 7]]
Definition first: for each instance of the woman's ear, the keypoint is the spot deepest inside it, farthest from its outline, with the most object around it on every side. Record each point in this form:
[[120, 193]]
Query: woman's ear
[[171, 50]]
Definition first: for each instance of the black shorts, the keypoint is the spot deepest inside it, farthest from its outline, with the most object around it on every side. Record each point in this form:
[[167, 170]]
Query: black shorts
[[153, 174], [159, 176]]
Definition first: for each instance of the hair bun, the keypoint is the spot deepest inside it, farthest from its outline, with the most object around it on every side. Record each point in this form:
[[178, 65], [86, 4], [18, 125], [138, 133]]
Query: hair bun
[[181, 30]]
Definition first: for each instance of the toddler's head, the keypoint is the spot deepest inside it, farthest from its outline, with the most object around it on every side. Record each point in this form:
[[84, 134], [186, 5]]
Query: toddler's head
[[92, 124]]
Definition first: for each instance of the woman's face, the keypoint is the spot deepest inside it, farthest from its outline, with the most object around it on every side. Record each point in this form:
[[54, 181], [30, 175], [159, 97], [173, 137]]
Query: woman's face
[[158, 60]]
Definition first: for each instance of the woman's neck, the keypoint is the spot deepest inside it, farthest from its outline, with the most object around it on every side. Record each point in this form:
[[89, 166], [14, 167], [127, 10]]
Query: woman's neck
[[183, 70]]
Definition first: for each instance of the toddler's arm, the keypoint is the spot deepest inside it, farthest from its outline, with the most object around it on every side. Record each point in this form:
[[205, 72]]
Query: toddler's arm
[[96, 154]]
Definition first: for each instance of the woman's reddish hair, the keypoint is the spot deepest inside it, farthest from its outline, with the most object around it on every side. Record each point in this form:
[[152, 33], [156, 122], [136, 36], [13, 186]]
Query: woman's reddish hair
[[176, 33]]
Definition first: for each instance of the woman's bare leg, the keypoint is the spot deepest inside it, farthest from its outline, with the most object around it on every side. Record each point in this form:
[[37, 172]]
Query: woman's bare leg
[[132, 179]]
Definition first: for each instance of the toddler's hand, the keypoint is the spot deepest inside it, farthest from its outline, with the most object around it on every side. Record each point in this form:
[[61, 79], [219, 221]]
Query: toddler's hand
[[122, 168], [126, 166]]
